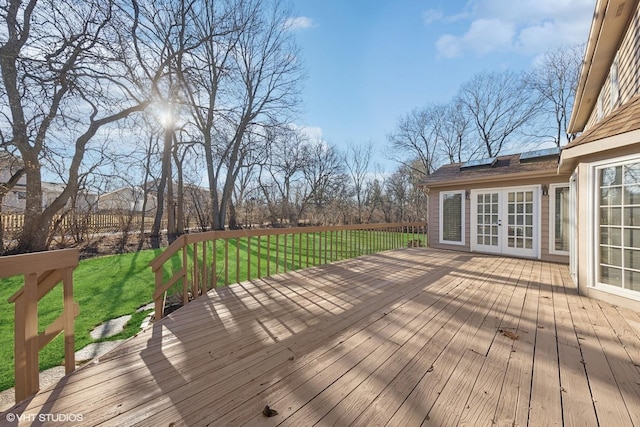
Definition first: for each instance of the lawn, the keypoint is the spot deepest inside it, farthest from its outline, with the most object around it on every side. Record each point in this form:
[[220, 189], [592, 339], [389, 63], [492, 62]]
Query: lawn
[[104, 288], [113, 286]]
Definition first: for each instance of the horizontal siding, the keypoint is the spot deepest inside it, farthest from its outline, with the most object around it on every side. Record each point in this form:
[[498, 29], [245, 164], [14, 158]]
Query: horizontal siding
[[434, 212], [628, 57]]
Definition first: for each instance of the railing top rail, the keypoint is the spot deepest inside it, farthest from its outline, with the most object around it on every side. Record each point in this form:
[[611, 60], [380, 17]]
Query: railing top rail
[[14, 265], [232, 234]]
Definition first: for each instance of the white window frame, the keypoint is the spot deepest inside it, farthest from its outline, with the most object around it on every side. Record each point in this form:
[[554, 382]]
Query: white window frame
[[594, 229], [600, 107], [552, 218], [614, 83], [573, 229], [462, 213]]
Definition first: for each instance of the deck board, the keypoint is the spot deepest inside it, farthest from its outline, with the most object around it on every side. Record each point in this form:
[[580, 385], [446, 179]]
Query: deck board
[[406, 337], [513, 403], [577, 405]]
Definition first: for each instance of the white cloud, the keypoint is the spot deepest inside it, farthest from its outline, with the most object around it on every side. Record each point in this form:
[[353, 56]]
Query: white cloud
[[313, 133], [299, 23], [432, 15], [483, 36], [449, 46], [487, 35], [528, 26], [532, 38]]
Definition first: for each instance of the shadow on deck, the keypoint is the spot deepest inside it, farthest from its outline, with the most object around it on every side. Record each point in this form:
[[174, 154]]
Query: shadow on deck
[[406, 337]]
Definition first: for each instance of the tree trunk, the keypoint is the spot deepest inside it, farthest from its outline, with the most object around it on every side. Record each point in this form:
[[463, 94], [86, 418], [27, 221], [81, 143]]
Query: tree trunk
[[36, 227], [180, 195], [162, 185], [233, 217]]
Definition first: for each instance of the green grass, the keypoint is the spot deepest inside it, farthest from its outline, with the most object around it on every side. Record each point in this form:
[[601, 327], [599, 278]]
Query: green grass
[[104, 288], [113, 286], [312, 245]]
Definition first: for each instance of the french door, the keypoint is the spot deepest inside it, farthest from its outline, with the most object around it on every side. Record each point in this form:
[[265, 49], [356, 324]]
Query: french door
[[505, 221]]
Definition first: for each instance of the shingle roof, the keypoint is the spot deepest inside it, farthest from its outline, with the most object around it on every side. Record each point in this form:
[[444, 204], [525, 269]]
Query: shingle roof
[[625, 119], [505, 168]]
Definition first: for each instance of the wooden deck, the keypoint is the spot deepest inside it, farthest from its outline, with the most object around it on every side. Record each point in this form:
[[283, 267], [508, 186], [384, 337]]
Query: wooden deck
[[407, 337]]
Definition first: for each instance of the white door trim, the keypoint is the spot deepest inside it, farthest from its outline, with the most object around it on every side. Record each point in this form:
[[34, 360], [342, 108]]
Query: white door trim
[[502, 246]]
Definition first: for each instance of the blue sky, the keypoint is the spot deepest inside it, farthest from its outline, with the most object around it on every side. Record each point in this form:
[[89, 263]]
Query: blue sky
[[369, 62]]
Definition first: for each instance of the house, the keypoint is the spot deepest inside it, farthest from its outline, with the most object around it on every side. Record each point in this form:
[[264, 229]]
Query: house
[[126, 199], [515, 205], [604, 161], [580, 204], [14, 201]]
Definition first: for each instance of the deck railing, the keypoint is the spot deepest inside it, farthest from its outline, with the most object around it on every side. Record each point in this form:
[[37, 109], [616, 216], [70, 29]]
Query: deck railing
[[42, 271], [195, 263]]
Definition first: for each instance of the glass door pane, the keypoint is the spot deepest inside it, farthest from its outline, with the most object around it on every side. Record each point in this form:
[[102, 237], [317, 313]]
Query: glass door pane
[[520, 210], [487, 232], [619, 226]]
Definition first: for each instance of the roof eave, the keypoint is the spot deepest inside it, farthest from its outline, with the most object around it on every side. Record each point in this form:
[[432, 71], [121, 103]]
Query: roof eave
[[491, 179], [610, 22]]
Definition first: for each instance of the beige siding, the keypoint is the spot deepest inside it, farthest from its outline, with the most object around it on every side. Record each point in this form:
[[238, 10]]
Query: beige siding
[[629, 61], [434, 213], [628, 57]]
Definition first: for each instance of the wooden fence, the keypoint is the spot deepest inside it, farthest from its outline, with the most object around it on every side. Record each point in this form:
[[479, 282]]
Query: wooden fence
[[87, 223], [42, 271], [193, 265]]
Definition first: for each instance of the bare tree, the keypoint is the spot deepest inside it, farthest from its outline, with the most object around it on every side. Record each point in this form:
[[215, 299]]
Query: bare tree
[[206, 76], [61, 79], [357, 161], [288, 157], [269, 71], [243, 79], [374, 199], [161, 35], [10, 174], [325, 178], [415, 137], [453, 128], [406, 201], [555, 79], [500, 105]]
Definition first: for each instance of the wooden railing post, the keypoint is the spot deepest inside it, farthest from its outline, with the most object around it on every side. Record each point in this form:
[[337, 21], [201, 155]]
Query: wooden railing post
[[340, 242], [69, 318], [30, 336], [42, 272]]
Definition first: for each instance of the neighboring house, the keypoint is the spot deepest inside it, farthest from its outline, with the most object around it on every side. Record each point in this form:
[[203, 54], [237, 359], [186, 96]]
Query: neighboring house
[[604, 161], [514, 205], [126, 199], [197, 200], [584, 209], [15, 200], [84, 201]]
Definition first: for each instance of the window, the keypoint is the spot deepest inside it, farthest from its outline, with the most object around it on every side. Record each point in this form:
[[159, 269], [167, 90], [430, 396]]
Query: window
[[599, 107], [452, 217], [618, 236], [615, 86], [560, 217]]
